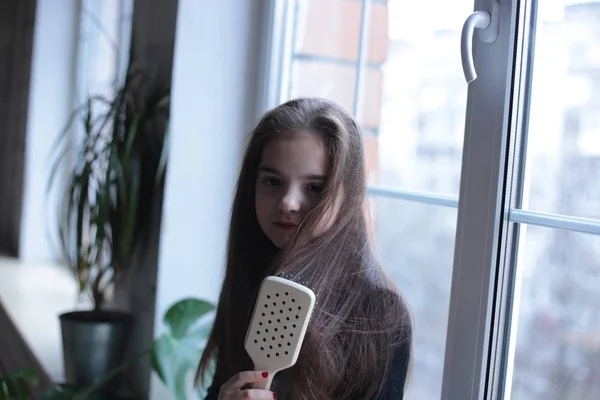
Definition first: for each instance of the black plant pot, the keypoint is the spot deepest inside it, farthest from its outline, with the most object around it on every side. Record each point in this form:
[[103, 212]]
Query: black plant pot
[[94, 343]]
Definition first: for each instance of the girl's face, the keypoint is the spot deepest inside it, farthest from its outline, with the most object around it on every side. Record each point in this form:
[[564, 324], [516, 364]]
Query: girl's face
[[292, 173]]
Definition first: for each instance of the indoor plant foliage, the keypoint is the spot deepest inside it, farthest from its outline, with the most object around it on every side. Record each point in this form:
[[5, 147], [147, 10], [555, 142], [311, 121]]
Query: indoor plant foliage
[[115, 169], [175, 354], [16, 385], [110, 187]]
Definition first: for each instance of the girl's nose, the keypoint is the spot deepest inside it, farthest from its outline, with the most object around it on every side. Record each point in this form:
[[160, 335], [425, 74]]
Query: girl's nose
[[290, 201]]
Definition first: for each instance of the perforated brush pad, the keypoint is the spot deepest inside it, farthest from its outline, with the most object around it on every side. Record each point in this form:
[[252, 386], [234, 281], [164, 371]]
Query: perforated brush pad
[[281, 316]]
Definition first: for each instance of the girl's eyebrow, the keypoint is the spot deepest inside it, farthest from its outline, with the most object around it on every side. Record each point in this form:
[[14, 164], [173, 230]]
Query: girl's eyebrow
[[272, 170]]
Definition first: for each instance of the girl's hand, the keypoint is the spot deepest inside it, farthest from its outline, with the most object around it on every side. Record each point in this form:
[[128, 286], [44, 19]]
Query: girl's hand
[[237, 387]]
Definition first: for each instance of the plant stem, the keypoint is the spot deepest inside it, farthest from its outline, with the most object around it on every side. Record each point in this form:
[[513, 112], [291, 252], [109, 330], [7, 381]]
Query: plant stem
[[97, 293]]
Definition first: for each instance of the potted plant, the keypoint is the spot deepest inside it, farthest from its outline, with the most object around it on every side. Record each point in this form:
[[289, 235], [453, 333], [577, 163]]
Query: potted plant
[[175, 354], [110, 190]]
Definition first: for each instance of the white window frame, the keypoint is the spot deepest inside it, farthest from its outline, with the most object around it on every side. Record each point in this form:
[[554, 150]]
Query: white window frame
[[480, 215], [483, 281], [468, 336]]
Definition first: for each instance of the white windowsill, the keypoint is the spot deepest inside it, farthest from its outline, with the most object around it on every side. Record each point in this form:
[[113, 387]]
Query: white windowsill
[[33, 295]]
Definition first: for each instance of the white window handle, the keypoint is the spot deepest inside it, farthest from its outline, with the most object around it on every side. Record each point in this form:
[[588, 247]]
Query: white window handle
[[488, 22]]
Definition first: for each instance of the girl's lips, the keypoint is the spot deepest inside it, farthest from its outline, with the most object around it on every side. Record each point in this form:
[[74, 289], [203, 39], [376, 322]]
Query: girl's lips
[[286, 225]]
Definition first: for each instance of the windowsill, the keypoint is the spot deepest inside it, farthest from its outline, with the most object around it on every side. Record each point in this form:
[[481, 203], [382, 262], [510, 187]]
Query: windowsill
[[33, 295]]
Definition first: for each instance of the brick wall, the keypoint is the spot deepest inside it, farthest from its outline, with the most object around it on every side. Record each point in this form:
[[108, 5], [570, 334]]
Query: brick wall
[[327, 39], [325, 54]]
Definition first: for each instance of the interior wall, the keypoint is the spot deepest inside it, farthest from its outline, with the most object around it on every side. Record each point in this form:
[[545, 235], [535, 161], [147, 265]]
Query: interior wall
[[216, 99], [17, 20], [152, 48], [50, 104]]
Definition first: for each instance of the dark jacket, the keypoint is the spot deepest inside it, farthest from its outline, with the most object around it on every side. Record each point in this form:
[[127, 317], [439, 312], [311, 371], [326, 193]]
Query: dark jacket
[[393, 390]]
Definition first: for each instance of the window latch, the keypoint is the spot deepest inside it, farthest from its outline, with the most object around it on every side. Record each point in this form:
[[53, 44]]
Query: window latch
[[487, 21]]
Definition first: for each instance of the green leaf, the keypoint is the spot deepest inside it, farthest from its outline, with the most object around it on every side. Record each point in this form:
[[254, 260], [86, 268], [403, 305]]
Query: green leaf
[[130, 219], [201, 390], [87, 122], [179, 388], [169, 353], [60, 392], [163, 103], [10, 389], [130, 138], [164, 155], [172, 361], [199, 335], [177, 353], [108, 117], [81, 220], [117, 167], [3, 388], [16, 385], [29, 374], [184, 314], [60, 142], [101, 220], [23, 388]]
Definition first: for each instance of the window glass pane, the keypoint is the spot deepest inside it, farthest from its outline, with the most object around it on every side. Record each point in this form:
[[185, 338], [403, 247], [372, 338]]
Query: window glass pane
[[557, 311], [563, 148], [555, 331], [105, 46], [423, 99], [326, 35], [318, 78], [415, 244], [412, 110], [100, 44]]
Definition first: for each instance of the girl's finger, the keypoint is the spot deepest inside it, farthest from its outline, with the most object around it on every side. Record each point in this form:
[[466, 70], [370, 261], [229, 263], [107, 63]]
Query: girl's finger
[[257, 394], [243, 378]]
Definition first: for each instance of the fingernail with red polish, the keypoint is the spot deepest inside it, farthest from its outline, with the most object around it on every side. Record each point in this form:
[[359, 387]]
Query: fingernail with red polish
[[274, 396], [265, 375]]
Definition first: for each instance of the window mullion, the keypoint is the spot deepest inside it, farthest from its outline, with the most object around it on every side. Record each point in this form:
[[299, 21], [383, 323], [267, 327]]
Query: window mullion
[[416, 197], [362, 52], [479, 216]]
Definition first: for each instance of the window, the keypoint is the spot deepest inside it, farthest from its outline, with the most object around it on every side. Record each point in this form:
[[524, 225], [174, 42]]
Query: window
[[103, 46], [555, 332], [485, 196]]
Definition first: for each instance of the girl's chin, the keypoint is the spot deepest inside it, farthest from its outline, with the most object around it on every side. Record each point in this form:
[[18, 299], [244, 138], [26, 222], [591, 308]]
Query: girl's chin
[[281, 241]]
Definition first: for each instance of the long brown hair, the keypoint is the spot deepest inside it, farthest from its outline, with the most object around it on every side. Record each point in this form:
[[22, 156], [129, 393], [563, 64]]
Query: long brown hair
[[360, 319]]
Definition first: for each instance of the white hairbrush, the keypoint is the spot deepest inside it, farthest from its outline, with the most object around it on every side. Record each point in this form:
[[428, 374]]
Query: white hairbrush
[[279, 321]]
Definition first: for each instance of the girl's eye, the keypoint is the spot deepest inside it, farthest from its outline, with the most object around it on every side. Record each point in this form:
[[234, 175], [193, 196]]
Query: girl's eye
[[314, 188], [271, 181]]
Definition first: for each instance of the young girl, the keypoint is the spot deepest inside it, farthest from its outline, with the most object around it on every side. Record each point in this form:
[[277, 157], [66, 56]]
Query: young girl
[[299, 210]]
